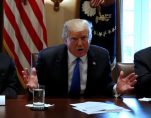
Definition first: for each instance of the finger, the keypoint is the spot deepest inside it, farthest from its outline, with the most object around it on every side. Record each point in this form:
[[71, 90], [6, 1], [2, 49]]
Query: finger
[[33, 72], [132, 78], [133, 83], [121, 74], [26, 79], [130, 88], [25, 75], [25, 72], [130, 75], [29, 86]]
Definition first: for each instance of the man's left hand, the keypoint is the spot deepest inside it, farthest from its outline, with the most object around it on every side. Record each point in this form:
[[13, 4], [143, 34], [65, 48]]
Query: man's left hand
[[126, 84]]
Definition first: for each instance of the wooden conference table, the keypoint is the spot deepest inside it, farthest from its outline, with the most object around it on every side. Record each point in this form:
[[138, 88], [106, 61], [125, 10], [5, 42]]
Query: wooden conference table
[[15, 108]]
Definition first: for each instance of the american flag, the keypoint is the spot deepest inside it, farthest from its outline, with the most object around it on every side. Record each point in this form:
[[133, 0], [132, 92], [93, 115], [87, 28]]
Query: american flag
[[96, 3], [24, 31]]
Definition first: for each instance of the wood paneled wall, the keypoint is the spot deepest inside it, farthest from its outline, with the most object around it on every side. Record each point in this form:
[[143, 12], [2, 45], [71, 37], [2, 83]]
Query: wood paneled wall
[[69, 9]]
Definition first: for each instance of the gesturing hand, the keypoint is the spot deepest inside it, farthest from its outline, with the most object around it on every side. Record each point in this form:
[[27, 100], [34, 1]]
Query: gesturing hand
[[126, 84], [31, 79]]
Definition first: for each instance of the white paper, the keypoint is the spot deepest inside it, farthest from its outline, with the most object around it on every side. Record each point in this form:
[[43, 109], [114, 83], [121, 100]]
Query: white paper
[[145, 99], [2, 99], [97, 107], [46, 105]]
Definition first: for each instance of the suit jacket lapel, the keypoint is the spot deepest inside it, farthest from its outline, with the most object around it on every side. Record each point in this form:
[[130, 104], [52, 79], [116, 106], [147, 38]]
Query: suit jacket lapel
[[91, 70], [61, 67]]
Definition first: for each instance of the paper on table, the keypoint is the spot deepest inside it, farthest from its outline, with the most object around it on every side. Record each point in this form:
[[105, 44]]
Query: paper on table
[[2, 99], [145, 99], [46, 105], [97, 107]]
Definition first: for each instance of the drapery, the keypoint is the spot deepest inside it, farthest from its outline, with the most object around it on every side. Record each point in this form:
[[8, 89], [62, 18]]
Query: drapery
[[136, 27]]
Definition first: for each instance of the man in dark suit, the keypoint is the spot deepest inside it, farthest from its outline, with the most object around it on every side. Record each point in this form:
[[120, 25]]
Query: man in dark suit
[[55, 66], [142, 61], [8, 77]]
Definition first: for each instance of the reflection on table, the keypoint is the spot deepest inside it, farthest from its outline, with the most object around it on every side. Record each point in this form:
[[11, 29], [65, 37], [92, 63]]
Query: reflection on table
[[15, 108]]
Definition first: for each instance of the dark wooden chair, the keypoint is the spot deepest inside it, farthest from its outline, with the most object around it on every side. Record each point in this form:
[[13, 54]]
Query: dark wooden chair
[[127, 68]]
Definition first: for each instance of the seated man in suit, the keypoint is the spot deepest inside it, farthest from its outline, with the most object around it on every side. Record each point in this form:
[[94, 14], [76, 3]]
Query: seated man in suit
[[55, 66], [8, 77], [142, 61]]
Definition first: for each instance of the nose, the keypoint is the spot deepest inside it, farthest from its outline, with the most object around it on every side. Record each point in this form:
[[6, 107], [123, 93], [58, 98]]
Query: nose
[[79, 42]]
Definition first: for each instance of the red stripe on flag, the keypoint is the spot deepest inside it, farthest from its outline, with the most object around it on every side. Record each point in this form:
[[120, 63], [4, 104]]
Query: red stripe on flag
[[19, 37], [29, 40], [28, 25], [15, 57], [39, 16], [96, 3]]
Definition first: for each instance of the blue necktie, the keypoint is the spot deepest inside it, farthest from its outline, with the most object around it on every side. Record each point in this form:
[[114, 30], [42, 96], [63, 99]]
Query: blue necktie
[[75, 83]]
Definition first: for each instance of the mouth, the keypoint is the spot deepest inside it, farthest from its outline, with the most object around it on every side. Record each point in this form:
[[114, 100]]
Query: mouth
[[80, 49], [80, 52]]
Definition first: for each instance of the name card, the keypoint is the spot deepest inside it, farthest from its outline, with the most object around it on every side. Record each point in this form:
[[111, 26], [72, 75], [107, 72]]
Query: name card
[[2, 99]]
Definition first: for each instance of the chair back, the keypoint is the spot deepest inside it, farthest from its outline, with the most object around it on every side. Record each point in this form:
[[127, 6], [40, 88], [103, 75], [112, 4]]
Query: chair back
[[127, 68]]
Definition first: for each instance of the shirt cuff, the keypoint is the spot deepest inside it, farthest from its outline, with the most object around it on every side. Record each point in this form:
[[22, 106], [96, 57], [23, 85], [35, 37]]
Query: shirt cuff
[[116, 94]]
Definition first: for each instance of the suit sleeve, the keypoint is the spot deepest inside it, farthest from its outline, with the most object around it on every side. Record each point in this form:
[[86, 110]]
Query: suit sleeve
[[10, 84], [142, 69]]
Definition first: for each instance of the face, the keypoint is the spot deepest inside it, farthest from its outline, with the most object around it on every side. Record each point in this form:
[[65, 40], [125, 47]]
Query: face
[[77, 43]]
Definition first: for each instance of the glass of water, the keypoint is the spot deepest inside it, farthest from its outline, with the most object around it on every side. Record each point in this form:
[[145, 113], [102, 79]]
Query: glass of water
[[39, 96]]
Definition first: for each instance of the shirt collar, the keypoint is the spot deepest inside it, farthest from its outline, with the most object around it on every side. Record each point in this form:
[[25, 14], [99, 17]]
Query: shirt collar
[[72, 58]]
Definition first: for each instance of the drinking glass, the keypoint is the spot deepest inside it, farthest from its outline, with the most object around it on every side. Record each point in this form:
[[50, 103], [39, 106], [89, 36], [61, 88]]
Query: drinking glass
[[39, 96]]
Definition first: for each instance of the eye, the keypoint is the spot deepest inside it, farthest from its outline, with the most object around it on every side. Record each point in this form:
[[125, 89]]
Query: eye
[[84, 38], [74, 39]]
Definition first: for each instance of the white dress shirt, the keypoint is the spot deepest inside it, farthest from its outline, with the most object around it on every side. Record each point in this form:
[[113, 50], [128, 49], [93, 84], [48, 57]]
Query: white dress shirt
[[83, 70]]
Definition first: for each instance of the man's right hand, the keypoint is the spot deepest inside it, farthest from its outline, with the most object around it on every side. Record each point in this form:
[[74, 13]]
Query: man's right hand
[[30, 78]]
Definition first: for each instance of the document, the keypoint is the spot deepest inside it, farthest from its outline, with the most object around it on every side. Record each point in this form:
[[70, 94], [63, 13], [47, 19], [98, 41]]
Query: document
[[2, 100], [91, 107], [145, 99]]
